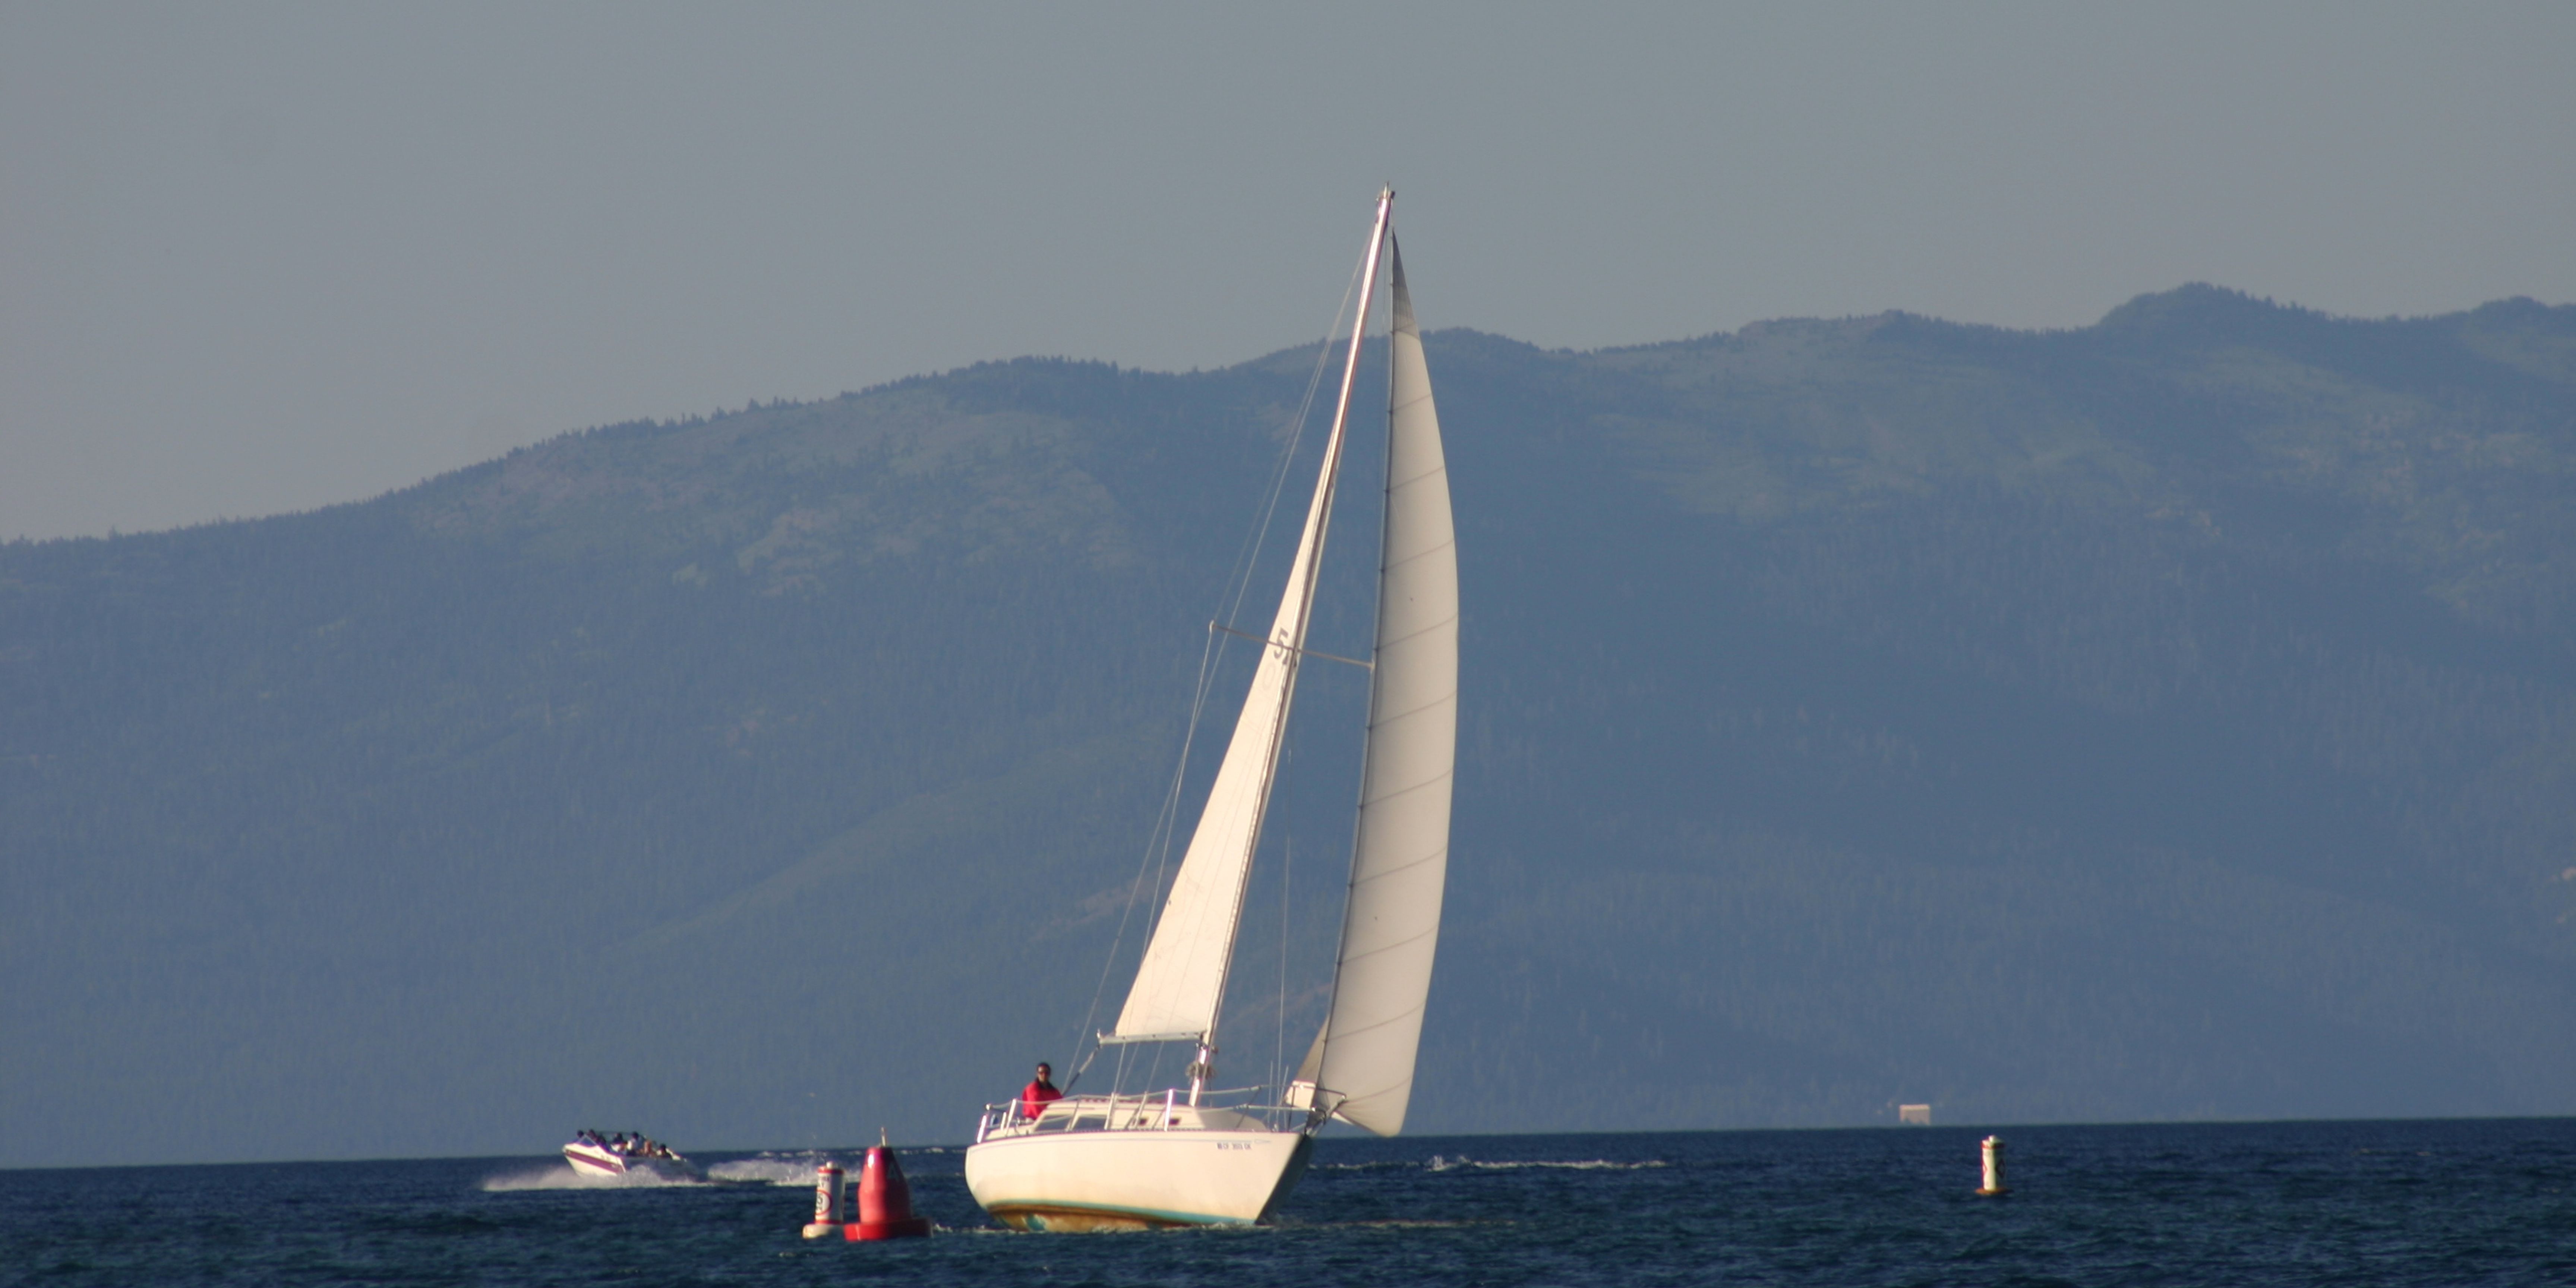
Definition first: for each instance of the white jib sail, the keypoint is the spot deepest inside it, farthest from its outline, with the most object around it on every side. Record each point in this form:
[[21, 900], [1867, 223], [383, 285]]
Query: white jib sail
[[1181, 982], [1401, 858]]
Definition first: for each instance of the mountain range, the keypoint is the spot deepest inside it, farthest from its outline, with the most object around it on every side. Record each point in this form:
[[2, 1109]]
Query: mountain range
[[2168, 718]]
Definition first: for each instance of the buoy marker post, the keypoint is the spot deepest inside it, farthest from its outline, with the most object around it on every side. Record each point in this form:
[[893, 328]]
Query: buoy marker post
[[827, 1202], [1994, 1153]]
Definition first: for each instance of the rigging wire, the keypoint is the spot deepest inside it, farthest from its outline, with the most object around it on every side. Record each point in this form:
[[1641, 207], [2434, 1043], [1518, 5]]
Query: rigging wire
[[1240, 577], [1279, 1051], [1158, 842]]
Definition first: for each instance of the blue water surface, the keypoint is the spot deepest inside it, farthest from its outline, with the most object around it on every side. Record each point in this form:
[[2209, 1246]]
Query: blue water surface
[[2453, 1202]]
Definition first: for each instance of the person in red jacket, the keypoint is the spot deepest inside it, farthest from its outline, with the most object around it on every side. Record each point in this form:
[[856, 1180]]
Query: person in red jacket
[[1035, 1097]]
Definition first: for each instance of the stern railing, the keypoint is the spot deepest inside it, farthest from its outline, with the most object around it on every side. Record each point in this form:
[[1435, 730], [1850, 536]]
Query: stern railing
[[1237, 1109]]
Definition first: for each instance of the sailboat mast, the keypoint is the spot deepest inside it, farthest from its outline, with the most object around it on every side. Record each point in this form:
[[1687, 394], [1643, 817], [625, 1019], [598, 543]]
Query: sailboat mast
[[1292, 650]]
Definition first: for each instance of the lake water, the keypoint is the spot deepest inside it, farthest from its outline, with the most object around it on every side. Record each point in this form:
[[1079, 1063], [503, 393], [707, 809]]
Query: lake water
[[2452, 1202]]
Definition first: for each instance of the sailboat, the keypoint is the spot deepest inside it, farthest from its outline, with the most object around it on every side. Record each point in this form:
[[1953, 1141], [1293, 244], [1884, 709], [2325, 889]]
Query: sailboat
[[1193, 1154]]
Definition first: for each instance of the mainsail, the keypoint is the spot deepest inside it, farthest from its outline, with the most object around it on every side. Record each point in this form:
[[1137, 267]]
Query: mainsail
[[1401, 857], [1181, 982]]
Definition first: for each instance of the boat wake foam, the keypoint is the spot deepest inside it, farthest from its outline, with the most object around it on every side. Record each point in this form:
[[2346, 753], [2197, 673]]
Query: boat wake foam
[[561, 1176], [770, 1169], [1439, 1163]]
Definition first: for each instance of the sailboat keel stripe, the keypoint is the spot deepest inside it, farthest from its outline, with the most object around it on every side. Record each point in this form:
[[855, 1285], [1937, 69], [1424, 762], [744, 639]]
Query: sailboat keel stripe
[[1006, 1210]]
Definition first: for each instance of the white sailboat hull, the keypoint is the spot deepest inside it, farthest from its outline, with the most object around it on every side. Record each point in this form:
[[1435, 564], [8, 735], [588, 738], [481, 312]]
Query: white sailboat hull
[[1135, 1180]]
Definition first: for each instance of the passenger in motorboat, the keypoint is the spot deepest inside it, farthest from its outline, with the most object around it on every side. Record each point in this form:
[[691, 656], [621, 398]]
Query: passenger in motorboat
[[626, 1146], [1041, 1091]]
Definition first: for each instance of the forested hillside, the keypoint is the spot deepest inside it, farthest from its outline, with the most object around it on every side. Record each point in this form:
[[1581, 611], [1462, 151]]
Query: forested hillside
[[2174, 717]]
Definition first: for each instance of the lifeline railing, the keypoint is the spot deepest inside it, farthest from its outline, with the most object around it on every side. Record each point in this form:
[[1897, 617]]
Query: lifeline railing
[[1167, 1110]]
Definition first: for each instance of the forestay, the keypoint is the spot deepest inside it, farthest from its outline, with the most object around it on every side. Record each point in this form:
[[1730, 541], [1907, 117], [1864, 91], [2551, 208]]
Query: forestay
[[1181, 982]]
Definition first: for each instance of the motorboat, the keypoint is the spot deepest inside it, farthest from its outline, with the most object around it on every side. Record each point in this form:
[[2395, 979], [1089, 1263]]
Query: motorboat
[[623, 1154]]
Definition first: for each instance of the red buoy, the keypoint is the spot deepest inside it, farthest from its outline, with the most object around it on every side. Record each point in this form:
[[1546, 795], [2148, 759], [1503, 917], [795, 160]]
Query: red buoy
[[885, 1201]]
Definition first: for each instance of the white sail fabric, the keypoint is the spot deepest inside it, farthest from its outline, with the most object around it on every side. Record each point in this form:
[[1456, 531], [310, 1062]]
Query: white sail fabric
[[1401, 858], [1181, 982]]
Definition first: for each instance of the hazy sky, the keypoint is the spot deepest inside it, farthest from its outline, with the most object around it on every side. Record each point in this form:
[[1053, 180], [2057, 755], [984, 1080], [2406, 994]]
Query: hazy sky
[[257, 258]]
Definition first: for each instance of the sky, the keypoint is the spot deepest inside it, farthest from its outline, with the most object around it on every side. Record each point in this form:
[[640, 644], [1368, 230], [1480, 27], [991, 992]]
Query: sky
[[257, 258]]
